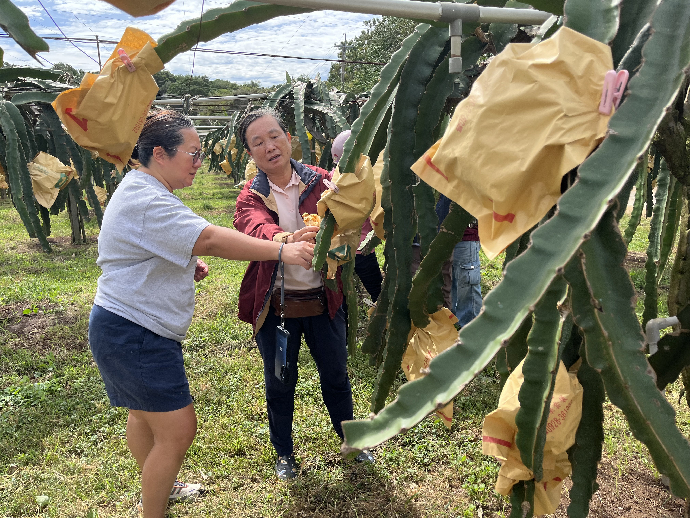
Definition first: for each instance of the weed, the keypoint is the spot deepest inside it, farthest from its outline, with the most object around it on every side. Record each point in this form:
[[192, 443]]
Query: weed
[[60, 438]]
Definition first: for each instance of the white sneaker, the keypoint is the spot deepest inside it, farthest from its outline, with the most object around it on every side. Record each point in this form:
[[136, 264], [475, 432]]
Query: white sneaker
[[183, 491]]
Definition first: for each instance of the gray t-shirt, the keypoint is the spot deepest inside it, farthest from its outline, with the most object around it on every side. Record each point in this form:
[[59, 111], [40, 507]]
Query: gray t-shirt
[[145, 252]]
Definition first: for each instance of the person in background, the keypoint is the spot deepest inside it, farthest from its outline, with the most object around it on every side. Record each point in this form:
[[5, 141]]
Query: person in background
[[147, 250], [270, 207], [366, 265], [462, 289], [466, 292]]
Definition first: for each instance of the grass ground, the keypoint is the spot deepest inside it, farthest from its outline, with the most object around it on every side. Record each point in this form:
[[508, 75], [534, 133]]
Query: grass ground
[[59, 437]]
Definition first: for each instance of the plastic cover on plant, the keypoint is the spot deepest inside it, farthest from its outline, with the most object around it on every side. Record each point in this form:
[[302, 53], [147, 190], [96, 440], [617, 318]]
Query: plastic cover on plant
[[532, 116], [107, 112], [48, 177], [352, 199], [498, 438], [376, 216], [425, 344]]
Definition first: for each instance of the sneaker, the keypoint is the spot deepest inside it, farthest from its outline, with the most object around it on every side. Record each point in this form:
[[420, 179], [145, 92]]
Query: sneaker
[[286, 467], [182, 491], [365, 457]]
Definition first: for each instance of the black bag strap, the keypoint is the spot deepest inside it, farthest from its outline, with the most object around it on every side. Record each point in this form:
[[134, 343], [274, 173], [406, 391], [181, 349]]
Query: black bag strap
[[282, 286]]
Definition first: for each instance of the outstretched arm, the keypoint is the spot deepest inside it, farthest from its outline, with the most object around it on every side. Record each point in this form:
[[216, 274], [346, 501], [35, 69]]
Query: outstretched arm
[[230, 244]]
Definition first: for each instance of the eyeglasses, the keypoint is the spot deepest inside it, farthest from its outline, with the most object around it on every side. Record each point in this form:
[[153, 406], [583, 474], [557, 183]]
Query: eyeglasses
[[195, 156]]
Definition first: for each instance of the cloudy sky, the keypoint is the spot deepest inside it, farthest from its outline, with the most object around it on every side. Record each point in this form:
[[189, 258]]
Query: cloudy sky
[[306, 35]]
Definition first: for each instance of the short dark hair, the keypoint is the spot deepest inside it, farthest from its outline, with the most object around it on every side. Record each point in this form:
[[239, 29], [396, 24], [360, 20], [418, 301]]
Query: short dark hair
[[161, 128], [257, 114]]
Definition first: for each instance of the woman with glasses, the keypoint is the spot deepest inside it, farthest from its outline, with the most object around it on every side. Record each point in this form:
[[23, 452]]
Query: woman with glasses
[[147, 250]]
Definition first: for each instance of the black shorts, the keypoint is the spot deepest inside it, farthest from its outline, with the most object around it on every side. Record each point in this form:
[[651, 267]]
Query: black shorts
[[141, 369]]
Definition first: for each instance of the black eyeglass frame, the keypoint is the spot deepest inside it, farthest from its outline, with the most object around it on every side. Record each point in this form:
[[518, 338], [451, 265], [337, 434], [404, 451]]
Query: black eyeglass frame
[[197, 155]]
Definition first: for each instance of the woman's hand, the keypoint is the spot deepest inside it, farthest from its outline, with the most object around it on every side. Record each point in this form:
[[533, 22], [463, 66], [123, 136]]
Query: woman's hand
[[307, 234], [300, 253], [201, 270]]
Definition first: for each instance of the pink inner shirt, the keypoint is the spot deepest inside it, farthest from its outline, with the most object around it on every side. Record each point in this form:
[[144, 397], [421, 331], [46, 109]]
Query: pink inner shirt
[[290, 220]]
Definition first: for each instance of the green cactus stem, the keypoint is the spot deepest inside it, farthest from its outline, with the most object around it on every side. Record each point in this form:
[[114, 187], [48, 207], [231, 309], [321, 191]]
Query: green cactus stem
[[651, 90], [634, 15], [597, 19], [413, 79], [671, 221], [215, 22], [514, 351], [428, 278], [348, 278], [374, 341], [366, 126], [88, 180], [618, 341], [522, 499], [323, 240], [298, 94], [589, 438], [651, 178], [33, 97], [638, 206], [539, 369], [16, 24], [13, 128], [374, 110], [12, 158], [651, 298]]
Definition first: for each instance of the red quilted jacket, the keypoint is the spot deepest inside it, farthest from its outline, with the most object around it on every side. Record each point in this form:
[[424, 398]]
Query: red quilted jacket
[[255, 215]]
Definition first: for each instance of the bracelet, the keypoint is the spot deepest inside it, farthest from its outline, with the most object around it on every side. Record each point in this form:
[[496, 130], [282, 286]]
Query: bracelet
[[280, 251]]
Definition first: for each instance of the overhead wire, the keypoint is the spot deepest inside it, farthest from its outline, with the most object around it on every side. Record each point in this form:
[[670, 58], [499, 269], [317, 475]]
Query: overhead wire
[[44, 59], [201, 19], [288, 41], [62, 32], [259, 54], [218, 51], [73, 14]]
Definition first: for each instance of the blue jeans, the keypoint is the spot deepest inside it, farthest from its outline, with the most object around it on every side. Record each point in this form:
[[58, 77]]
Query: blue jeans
[[466, 292], [325, 338]]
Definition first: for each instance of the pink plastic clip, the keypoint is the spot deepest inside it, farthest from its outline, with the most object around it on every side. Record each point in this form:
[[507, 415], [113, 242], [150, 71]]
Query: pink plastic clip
[[125, 60], [621, 82], [607, 93], [612, 92], [331, 185]]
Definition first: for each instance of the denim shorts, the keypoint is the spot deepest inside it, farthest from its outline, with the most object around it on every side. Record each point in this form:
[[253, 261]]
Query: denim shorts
[[141, 369]]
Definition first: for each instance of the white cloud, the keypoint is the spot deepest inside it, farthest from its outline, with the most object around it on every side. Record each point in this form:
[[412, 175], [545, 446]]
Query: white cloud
[[307, 35]]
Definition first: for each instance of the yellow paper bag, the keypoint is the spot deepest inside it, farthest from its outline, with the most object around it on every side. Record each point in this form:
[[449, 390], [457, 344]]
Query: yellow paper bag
[[352, 199], [107, 112], [227, 167], [48, 177], [296, 148], [376, 216], [3, 179], [425, 344], [250, 170], [498, 438], [140, 7], [343, 249], [101, 194], [531, 116]]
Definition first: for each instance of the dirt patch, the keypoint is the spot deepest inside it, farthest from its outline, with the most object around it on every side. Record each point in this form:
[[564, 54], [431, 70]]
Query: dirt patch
[[634, 260], [44, 327], [631, 493], [58, 244]]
